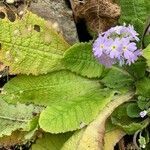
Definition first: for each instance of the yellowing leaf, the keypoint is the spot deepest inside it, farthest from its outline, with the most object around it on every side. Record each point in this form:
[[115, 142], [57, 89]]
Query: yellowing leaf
[[50, 141], [111, 138], [30, 45], [92, 138], [72, 143]]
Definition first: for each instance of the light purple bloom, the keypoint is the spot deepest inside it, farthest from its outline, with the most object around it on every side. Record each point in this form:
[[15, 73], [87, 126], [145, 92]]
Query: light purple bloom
[[143, 113], [117, 45], [114, 48], [129, 50], [100, 45], [117, 30], [106, 60], [132, 33]]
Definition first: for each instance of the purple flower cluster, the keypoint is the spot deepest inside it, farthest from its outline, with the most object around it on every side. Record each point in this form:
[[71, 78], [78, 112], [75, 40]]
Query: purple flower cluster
[[117, 45]]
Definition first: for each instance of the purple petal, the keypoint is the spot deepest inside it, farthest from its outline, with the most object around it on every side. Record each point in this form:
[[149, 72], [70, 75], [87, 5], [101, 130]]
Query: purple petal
[[106, 60]]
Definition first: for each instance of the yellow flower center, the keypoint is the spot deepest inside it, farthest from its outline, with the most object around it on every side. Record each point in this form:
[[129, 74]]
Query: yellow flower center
[[114, 47], [124, 48], [101, 46]]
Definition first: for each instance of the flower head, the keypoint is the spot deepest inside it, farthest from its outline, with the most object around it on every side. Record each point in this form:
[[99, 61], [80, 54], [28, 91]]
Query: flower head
[[117, 45]]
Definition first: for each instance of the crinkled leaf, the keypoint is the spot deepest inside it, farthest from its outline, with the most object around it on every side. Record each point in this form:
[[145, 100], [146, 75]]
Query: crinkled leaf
[[63, 116], [79, 58], [50, 141], [30, 45], [19, 117], [122, 120], [112, 138], [62, 86], [143, 103], [117, 78], [133, 110], [93, 136], [134, 12], [137, 69], [146, 54], [143, 87]]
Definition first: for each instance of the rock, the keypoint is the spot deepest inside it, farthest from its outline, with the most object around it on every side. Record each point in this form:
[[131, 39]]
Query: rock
[[57, 12]]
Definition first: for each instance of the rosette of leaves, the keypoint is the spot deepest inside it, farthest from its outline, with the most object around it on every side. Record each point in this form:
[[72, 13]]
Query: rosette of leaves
[[71, 91]]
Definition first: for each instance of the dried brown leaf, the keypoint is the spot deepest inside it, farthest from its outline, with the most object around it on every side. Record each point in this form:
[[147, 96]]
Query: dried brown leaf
[[16, 138], [99, 14]]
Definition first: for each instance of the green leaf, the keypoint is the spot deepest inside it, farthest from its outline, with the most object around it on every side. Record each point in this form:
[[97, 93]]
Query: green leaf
[[122, 120], [147, 6], [142, 142], [134, 12], [19, 117], [78, 111], [146, 40], [137, 69], [143, 87], [117, 78], [133, 110], [62, 86], [30, 45], [109, 126], [146, 54], [79, 58], [50, 141], [143, 103], [112, 138]]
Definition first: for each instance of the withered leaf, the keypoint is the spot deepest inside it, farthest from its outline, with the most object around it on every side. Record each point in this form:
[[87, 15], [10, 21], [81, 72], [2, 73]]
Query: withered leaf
[[98, 14]]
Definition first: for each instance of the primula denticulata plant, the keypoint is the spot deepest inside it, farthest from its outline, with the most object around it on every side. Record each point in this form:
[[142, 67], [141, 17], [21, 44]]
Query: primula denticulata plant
[[86, 96]]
